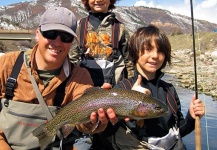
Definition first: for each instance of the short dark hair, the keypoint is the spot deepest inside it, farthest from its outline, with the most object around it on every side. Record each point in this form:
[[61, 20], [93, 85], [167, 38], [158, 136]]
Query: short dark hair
[[143, 37], [87, 7]]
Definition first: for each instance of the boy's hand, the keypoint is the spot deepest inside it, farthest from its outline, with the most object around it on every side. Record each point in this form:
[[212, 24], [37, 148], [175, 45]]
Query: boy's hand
[[137, 86], [197, 108]]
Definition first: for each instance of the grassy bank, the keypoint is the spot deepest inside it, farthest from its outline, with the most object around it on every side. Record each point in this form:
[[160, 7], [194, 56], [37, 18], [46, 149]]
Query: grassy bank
[[203, 41]]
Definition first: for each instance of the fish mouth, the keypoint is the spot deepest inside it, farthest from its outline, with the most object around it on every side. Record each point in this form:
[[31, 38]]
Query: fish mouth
[[151, 110], [157, 108], [162, 108]]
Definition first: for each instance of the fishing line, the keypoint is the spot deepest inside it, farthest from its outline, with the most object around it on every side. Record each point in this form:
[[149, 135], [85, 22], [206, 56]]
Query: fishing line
[[198, 139], [202, 79], [197, 119]]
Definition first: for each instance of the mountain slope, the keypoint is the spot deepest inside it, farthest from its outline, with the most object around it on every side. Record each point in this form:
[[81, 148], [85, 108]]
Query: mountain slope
[[26, 15]]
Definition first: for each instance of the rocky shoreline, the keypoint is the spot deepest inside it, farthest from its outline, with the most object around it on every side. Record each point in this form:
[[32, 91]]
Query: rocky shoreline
[[183, 69]]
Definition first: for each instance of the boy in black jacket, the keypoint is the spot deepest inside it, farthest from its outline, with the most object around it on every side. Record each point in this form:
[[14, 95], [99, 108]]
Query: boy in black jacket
[[150, 51]]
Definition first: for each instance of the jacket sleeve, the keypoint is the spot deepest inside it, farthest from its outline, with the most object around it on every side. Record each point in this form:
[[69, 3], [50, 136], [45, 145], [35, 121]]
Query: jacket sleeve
[[3, 76], [3, 143], [186, 125], [123, 46], [74, 53]]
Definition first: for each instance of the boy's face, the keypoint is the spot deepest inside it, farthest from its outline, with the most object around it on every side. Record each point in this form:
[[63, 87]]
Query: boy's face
[[99, 5], [149, 62]]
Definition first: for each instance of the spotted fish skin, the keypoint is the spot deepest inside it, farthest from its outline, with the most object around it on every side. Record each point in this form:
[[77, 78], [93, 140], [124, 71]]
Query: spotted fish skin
[[125, 103]]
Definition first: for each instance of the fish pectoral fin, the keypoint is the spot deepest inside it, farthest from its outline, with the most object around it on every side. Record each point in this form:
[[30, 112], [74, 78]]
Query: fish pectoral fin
[[96, 126], [57, 111], [67, 129]]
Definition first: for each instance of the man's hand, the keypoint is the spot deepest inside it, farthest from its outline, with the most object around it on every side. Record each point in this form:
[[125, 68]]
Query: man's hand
[[106, 86], [99, 120]]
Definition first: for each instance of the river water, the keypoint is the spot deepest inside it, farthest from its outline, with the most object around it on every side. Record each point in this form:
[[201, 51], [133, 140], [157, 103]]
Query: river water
[[208, 122]]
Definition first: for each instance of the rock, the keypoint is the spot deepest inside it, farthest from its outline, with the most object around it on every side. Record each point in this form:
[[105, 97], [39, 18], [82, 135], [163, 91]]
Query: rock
[[1, 54], [183, 70], [214, 55]]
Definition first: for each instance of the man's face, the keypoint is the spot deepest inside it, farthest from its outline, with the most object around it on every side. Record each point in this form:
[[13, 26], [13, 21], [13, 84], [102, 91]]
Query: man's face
[[53, 48]]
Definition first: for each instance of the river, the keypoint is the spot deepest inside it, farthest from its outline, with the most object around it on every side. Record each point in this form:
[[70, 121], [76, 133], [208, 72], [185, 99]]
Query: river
[[208, 122]]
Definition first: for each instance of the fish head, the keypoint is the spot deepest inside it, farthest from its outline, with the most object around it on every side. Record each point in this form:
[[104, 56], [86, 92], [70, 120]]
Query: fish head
[[151, 109]]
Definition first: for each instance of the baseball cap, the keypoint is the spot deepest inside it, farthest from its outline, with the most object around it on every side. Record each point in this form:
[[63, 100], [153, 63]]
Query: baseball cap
[[59, 18]]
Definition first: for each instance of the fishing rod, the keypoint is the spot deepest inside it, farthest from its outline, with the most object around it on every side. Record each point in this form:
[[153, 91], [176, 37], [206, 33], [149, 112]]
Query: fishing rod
[[197, 119]]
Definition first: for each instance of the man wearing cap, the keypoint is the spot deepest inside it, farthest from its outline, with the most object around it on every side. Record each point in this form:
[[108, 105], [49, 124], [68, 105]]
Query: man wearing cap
[[50, 66]]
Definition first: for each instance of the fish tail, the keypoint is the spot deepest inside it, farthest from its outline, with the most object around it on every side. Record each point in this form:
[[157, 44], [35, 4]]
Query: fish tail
[[44, 136]]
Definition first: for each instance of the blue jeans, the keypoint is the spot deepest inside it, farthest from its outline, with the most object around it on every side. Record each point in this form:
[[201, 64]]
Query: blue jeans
[[83, 143]]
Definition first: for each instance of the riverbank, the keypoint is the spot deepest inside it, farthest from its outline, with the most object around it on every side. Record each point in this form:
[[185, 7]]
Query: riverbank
[[183, 69]]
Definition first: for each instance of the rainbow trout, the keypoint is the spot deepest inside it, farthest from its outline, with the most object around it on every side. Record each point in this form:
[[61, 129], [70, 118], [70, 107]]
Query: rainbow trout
[[125, 103]]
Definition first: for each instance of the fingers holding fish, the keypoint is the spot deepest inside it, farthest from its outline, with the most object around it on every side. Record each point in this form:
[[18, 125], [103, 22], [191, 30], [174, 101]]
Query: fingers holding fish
[[93, 117], [90, 127], [98, 122], [101, 119], [112, 116], [99, 116], [102, 116], [106, 86]]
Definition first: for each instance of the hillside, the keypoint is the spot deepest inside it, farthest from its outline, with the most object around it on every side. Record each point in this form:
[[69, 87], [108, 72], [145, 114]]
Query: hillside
[[26, 15]]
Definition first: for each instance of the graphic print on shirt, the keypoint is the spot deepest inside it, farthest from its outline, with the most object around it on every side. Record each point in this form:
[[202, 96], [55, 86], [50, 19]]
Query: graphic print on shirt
[[98, 45]]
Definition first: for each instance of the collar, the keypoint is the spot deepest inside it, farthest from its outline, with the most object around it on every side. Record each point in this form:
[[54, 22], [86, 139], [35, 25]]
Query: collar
[[99, 15], [102, 19], [159, 75]]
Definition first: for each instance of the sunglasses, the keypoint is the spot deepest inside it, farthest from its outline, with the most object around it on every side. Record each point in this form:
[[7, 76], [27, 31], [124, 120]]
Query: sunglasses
[[52, 35]]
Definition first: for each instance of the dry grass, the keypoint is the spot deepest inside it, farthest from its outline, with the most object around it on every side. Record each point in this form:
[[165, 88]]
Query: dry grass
[[203, 41], [206, 41], [15, 45]]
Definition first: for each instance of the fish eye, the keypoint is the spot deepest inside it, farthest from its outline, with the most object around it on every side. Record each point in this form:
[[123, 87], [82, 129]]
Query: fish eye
[[157, 108]]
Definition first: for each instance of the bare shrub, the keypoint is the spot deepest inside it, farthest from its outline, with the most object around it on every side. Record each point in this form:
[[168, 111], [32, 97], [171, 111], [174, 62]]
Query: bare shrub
[[26, 44], [3, 48]]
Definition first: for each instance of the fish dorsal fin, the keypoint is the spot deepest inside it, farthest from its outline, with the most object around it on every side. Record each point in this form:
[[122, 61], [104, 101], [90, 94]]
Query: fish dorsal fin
[[92, 89]]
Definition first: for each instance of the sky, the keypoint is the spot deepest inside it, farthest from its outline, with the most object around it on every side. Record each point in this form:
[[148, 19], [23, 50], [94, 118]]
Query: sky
[[203, 9]]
